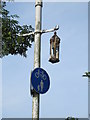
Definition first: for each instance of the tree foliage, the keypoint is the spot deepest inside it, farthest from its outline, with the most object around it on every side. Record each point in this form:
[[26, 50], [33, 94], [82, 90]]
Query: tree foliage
[[71, 118], [87, 74], [11, 42]]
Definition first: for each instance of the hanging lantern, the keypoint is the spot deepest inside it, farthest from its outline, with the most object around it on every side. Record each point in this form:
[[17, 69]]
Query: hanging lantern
[[54, 48]]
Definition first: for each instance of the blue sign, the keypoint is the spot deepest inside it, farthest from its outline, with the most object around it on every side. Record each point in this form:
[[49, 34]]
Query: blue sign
[[40, 80]]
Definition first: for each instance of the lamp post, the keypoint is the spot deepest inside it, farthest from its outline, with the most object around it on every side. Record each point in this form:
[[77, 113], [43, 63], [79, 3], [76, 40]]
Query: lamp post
[[37, 50]]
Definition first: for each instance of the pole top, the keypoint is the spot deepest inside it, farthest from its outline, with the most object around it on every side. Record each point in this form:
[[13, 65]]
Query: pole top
[[39, 3]]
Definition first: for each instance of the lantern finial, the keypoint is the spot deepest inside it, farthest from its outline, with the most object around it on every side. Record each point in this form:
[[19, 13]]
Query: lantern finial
[[55, 33]]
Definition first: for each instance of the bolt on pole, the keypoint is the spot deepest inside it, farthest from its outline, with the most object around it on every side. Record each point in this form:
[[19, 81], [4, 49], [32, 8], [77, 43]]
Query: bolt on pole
[[37, 52]]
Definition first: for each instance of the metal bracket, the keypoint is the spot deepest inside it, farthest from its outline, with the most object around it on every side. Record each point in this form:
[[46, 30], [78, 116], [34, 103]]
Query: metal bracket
[[41, 31]]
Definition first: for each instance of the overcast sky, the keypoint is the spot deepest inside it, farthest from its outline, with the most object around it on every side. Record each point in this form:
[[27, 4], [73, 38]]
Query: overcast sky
[[68, 93]]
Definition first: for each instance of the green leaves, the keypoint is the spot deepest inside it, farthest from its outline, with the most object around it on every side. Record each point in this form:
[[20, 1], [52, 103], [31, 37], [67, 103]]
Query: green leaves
[[71, 118], [87, 74], [11, 42]]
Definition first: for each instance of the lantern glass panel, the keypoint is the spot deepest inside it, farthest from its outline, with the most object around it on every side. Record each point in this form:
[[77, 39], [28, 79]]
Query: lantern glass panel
[[53, 52], [56, 48], [52, 45]]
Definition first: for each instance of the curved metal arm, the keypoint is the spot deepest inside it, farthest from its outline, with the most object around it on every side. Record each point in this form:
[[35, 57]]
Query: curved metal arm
[[27, 34], [50, 30], [42, 31]]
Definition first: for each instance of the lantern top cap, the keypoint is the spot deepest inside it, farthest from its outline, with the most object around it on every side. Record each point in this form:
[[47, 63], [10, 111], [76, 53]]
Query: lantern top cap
[[55, 36], [55, 33]]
